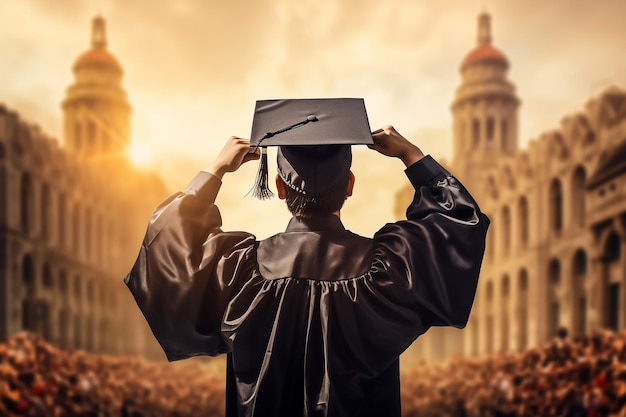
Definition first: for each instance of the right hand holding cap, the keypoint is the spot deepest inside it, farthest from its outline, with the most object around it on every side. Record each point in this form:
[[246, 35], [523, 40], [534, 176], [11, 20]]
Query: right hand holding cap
[[389, 142], [235, 153]]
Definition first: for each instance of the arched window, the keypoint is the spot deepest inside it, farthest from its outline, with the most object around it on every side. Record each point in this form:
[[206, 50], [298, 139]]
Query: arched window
[[505, 325], [26, 203], [554, 306], [522, 303], [556, 205], [489, 292], [554, 272], [506, 230], [45, 211], [578, 196], [506, 286], [28, 302], [27, 314], [504, 133], [490, 131], [580, 264], [612, 250], [475, 132], [612, 254], [522, 207], [28, 270], [523, 281], [78, 322], [579, 268]]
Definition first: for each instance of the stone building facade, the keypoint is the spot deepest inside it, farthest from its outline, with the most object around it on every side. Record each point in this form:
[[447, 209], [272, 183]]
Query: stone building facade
[[72, 216], [555, 253]]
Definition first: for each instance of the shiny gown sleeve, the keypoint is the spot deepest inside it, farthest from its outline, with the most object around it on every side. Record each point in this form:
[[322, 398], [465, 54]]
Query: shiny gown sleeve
[[425, 268], [184, 257]]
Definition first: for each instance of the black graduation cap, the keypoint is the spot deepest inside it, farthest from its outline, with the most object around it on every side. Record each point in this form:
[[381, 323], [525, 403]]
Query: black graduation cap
[[313, 138]]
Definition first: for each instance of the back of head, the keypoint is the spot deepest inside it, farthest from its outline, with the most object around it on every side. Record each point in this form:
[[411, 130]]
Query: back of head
[[314, 177], [305, 207]]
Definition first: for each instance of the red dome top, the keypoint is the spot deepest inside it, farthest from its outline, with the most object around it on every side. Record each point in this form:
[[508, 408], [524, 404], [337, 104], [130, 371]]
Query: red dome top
[[98, 56], [483, 52]]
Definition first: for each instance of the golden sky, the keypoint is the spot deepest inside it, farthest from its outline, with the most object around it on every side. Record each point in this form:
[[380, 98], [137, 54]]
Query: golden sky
[[194, 68]]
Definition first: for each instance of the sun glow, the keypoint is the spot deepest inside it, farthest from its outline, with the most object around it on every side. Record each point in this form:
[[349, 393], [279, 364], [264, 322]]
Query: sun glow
[[141, 155]]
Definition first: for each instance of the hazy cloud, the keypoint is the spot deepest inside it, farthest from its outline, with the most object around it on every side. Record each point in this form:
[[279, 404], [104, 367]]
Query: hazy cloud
[[194, 68]]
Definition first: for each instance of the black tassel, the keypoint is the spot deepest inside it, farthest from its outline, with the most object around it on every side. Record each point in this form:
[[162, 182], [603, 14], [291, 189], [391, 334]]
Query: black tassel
[[261, 189]]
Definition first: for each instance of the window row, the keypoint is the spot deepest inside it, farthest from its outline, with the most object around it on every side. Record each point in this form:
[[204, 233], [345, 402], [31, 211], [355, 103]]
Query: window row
[[579, 270], [577, 200], [504, 223], [69, 329], [77, 228], [64, 284], [485, 130], [520, 314], [611, 254]]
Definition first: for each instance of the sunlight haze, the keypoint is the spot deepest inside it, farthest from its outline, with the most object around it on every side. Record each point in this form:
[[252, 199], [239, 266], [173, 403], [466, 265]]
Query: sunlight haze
[[193, 70]]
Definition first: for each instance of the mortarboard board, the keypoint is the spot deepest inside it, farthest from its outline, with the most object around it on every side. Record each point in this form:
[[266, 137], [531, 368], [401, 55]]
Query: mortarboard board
[[313, 137]]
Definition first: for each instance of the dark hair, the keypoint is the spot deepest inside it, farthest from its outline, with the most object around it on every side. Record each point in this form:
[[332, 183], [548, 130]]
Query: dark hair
[[304, 207]]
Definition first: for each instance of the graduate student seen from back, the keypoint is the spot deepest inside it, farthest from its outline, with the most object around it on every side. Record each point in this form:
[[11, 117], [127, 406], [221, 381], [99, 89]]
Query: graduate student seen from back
[[314, 318]]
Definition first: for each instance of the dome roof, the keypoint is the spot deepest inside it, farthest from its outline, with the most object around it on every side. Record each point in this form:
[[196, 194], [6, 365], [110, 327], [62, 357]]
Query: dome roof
[[484, 52], [98, 57]]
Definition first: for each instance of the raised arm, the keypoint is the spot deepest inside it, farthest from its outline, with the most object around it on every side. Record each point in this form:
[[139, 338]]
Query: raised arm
[[187, 268], [428, 264]]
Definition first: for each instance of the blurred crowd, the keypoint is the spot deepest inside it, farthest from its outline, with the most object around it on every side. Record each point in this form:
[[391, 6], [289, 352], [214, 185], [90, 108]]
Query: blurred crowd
[[37, 379], [581, 377]]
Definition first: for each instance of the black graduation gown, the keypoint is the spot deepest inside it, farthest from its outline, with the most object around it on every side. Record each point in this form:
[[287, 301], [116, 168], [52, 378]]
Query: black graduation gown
[[313, 319]]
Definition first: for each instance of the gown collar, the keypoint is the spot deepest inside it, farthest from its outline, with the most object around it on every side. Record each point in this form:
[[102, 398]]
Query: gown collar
[[317, 223]]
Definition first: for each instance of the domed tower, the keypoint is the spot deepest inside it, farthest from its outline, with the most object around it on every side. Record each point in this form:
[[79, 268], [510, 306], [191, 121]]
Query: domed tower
[[484, 109], [96, 109]]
